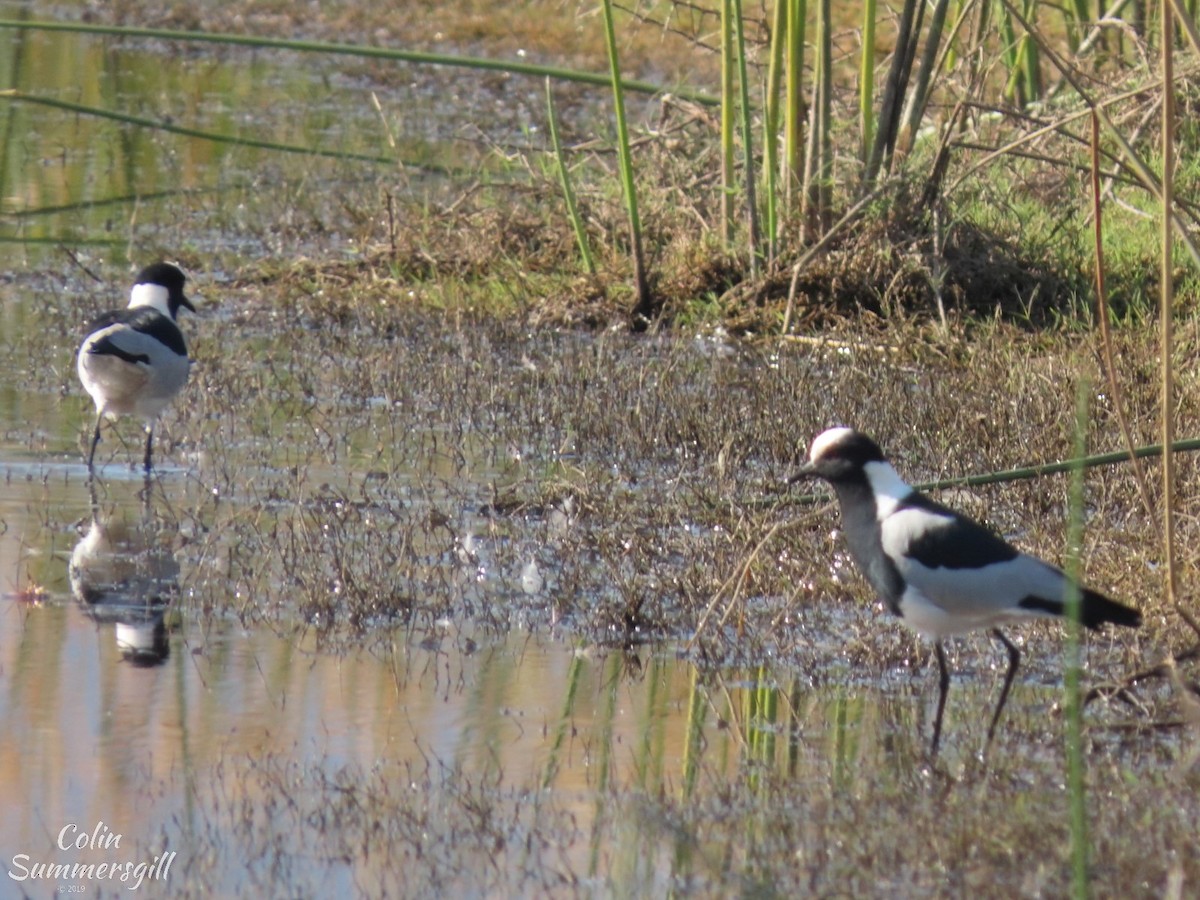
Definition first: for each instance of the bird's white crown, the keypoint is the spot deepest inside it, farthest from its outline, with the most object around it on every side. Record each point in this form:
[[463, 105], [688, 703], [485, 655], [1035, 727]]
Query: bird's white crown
[[827, 440]]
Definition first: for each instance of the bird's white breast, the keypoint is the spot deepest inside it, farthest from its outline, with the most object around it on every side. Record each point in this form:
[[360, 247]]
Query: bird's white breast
[[154, 295], [887, 486]]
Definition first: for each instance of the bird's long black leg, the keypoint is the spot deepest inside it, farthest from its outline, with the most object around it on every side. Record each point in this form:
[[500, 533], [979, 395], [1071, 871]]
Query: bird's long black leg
[[943, 688], [1014, 659], [149, 439], [95, 441]]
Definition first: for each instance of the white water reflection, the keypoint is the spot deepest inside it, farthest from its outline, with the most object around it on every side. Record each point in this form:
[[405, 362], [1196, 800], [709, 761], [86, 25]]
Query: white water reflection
[[123, 572]]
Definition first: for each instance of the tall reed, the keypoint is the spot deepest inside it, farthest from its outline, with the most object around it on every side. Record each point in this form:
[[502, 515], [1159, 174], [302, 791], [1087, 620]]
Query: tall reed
[[747, 139], [794, 106], [918, 96], [564, 177], [866, 83], [216, 137], [818, 169], [893, 93], [1107, 355], [1167, 304], [728, 122], [771, 123], [1073, 700], [643, 307], [367, 51]]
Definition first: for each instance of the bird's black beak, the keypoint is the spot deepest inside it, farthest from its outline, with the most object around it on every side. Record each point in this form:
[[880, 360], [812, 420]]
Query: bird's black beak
[[184, 301], [803, 473]]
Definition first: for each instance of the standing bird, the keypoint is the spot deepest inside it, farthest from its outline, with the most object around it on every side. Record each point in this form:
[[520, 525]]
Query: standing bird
[[938, 570], [133, 361]]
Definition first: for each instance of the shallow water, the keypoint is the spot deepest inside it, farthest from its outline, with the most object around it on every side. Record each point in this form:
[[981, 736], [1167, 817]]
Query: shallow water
[[77, 176], [275, 645], [277, 610], [125, 711]]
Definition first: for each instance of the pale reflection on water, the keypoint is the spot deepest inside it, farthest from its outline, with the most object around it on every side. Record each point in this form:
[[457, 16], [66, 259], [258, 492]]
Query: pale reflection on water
[[124, 572], [90, 738], [94, 738]]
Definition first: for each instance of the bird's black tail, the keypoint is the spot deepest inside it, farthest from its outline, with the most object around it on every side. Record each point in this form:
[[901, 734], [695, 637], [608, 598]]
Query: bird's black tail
[[1098, 609]]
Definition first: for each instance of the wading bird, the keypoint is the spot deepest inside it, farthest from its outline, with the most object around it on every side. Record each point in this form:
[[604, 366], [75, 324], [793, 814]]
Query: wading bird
[[939, 571], [133, 361]]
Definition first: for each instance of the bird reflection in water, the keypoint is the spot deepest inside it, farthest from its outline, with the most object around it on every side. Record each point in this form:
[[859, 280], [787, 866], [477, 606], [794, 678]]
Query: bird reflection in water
[[124, 573]]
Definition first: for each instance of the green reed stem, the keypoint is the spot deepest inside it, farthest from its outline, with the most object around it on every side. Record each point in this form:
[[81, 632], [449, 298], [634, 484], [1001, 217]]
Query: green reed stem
[[1166, 313], [564, 177], [747, 139], [1072, 701], [888, 120], [694, 733], [560, 732], [1026, 473], [794, 103], [728, 121], [1076, 16], [412, 56], [215, 137], [818, 164], [1020, 55], [771, 121], [866, 82], [1038, 471], [918, 95], [625, 157], [58, 240], [1009, 55], [1031, 64], [102, 202]]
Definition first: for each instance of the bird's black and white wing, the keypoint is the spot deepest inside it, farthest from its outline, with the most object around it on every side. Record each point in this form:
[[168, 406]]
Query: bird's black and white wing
[[133, 361], [959, 575]]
